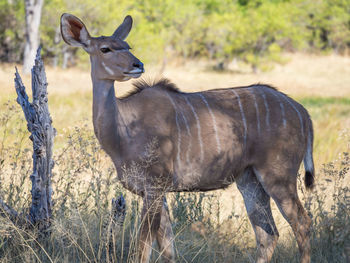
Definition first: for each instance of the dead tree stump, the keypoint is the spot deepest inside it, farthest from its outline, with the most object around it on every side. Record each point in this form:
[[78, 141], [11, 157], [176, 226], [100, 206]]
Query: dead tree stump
[[114, 227], [39, 124]]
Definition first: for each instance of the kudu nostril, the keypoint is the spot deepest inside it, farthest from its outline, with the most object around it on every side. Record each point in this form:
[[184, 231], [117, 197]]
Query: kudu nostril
[[138, 65]]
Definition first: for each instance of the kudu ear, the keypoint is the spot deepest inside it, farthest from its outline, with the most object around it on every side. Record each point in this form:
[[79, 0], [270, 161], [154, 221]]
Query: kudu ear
[[74, 32], [123, 30]]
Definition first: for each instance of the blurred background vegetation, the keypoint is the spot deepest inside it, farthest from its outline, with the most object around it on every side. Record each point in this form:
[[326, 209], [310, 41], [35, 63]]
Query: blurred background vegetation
[[252, 31], [313, 35]]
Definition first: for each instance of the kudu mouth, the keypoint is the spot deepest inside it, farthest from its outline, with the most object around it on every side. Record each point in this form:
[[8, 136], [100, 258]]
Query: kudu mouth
[[136, 71]]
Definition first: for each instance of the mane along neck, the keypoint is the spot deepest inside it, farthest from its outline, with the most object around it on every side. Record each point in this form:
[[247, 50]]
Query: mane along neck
[[142, 84]]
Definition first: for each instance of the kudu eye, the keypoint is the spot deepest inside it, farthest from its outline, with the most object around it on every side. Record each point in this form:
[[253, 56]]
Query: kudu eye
[[105, 50]]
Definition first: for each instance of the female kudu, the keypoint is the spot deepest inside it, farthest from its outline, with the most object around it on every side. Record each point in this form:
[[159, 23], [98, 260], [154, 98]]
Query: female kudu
[[163, 140]]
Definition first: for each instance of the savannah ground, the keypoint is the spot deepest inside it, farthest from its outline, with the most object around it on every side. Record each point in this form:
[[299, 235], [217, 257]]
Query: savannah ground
[[209, 227]]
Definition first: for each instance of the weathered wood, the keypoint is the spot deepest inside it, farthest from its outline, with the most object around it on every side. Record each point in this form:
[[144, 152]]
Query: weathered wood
[[39, 124], [118, 212], [114, 225], [7, 211], [115, 220]]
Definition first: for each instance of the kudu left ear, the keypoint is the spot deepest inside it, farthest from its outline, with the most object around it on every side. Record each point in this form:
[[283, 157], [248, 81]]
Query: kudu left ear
[[74, 32], [123, 30]]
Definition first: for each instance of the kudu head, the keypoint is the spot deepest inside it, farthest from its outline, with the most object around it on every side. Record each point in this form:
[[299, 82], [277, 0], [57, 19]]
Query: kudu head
[[110, 56]]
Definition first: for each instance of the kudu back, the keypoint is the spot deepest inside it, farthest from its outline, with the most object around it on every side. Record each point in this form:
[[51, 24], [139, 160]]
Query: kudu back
[[164, 140]]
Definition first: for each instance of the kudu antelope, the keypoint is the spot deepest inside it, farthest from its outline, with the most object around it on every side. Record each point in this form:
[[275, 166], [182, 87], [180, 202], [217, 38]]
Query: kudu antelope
[[255, 135]]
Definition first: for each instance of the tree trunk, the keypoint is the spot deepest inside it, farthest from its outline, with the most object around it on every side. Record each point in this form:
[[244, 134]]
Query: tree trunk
[[42, 134], [33, 16]]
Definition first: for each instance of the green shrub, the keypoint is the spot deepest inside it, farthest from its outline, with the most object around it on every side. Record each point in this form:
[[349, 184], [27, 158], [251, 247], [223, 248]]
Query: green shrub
[[253, 31]]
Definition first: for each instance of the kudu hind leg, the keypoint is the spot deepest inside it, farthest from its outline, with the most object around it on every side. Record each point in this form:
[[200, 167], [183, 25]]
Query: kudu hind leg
[[284, 193], [165, 236], [257, 203], [295, 214]]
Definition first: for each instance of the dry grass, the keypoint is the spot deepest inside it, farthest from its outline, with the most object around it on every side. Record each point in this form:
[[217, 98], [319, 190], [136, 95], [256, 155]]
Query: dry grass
[[84, 177], [302, 75], [84, 185]]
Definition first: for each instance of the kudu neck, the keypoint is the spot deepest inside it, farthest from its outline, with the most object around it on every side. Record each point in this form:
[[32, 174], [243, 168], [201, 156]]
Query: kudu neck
[[103, 96], [109, 125], [102, 88]]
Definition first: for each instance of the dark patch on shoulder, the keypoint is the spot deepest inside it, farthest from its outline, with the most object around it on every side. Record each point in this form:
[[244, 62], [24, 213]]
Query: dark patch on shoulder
[[142, 84]]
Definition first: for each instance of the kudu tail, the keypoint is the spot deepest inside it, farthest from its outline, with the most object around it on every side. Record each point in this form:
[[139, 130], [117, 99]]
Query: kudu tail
[[309, 160]]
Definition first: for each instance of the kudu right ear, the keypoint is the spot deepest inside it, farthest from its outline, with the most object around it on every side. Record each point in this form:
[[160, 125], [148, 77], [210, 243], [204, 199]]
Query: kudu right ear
[[123, 30], [74, 32]]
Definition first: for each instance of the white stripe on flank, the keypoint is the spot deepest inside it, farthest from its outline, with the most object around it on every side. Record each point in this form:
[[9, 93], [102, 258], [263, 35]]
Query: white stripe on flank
[[178, 130], [256, 109], [107, 69], [190, 139], [198, 129], [214, 123], [281, 106], [266, 108], [242, 114], [299, 115]]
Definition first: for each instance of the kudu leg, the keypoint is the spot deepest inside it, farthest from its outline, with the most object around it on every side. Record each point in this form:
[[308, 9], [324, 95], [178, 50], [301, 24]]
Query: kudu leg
[[294, 213], [150, 223], [283, 190], [257, 203], [165, 236]]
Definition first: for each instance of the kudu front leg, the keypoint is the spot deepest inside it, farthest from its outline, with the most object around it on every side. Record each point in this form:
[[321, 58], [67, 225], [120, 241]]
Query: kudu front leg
[[165, 235], [150, 223]]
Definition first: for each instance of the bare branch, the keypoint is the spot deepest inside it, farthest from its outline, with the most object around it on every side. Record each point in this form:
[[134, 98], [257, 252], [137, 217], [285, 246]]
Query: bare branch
[[8, 212]]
